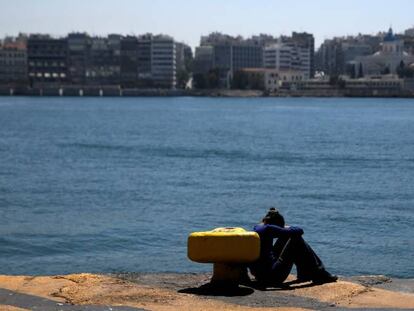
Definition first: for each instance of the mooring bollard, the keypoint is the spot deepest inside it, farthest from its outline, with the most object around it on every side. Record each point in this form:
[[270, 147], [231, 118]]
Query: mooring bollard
[[228, 249]]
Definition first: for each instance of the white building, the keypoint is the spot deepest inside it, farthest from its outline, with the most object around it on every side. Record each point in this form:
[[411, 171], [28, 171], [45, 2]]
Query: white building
[[387, 59], [272, 80], [163, 61], [287, 57]]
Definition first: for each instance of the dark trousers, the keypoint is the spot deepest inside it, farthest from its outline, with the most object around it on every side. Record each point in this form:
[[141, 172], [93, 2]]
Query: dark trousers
[[294, 251]]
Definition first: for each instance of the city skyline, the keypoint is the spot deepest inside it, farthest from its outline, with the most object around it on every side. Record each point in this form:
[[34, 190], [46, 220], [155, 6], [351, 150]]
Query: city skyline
[[187, 22]]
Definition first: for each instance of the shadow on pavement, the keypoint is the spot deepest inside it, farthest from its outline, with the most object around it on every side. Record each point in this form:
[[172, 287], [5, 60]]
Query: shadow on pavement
[[24, 301], [211, 289]]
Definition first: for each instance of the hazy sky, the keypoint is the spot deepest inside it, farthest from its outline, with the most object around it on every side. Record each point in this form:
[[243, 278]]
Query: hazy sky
[[186, 20]]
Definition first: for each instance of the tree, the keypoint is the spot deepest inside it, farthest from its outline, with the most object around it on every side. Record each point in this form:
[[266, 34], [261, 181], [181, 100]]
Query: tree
[[240, 80], [386, 71], [337, 81], [360, 71], [208, 80], [182, 78], [404, 71], [341, 83], [401, 69], [213, 78], [200, 81], [352, 72], [333, 80]]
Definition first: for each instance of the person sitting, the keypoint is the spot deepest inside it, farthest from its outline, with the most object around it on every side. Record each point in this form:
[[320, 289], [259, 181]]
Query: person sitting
[[277, 259]]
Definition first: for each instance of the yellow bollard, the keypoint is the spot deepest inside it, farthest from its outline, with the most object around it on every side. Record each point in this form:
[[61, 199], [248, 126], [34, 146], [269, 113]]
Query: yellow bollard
[[229, 249]]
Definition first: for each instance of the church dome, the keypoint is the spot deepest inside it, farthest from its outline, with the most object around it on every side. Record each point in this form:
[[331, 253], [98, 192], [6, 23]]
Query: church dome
[[389, 37]]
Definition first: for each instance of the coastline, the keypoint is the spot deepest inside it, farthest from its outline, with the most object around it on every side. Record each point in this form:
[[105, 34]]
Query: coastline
[[143, 291], [112, 91]]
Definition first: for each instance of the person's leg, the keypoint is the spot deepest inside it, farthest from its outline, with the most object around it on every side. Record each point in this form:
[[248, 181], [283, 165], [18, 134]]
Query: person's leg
[[307, 262], [283, 261], [309, 266]]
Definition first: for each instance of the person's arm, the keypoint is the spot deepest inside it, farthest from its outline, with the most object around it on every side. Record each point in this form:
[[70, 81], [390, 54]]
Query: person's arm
[[277, 232]]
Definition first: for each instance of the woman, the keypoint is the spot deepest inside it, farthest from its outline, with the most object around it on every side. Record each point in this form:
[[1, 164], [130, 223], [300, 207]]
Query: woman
[[276, 259]]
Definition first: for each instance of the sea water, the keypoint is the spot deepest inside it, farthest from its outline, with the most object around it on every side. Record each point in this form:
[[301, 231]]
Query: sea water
[[117, 184]]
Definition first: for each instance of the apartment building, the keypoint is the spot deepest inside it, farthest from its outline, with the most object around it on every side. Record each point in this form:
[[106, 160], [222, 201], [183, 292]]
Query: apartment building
[[47, 60], [163, 62], [13, 62]]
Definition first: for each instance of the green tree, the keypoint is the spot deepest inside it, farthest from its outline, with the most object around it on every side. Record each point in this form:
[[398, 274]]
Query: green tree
[[188, 63], [200, 81], [352, 72], [404, 71], [240, 80], [386, 71], [337, 81], [213, 78], [182, 78], [341, 83], [360, 71], [401, 69], [333, 80]]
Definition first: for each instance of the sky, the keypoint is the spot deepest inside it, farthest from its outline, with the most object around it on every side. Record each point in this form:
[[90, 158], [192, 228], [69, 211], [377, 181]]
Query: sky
[[187, 20]]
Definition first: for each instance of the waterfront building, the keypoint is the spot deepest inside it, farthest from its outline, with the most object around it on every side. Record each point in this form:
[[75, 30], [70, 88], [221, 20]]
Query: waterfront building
[[328, 58], [19, 42], [47, 60], [409, 32], [232, 54], [184, 60], [149, 61], [183, 56], [223, 64], [387, 60], [229, 55], [271, 80], [163, 62], [408, 38], [203, 59], [129, 62], [409, 84], [334, 54], [145, 61], [78, 57], [389, 82], [104, 61], [288, 56], [304, 43], [389, 85], [277, 56], [13, 61], [246, 55]]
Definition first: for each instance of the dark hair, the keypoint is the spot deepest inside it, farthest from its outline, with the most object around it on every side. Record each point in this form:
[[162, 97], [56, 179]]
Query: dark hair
[[273, 217]]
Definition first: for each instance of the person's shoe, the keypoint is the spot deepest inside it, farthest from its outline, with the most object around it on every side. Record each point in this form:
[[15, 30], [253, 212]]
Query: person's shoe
[[324, 277], [245, 280], [303, 278]]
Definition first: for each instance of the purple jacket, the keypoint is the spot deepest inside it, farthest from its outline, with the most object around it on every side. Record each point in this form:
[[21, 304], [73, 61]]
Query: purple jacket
[[267, 234]]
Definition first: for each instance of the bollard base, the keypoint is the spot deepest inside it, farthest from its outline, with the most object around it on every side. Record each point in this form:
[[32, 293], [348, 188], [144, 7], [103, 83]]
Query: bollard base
[[229, 274]]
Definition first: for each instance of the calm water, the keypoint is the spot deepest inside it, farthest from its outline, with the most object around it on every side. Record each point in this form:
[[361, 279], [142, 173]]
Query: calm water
[[112, 184]]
